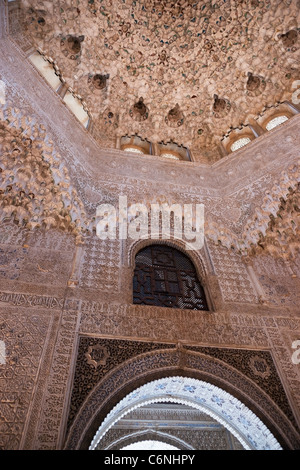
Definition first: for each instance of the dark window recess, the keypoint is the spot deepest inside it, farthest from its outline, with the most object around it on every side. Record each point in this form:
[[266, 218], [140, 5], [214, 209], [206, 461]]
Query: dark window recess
[[165, 277]]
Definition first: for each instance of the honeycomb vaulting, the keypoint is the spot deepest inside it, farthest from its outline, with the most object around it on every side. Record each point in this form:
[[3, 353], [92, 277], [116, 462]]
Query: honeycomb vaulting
[[200, 68]]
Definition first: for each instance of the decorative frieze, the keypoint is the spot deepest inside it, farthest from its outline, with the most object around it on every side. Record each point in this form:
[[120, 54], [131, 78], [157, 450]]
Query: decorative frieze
[[55, 392], [31, 300]]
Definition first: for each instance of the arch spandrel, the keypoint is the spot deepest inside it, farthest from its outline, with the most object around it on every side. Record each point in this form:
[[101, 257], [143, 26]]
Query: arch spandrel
[[152, 366]]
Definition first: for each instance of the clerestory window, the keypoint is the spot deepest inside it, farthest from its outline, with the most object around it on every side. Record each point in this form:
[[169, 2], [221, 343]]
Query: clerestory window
[[166, 277], [276, 122], [239, 143]]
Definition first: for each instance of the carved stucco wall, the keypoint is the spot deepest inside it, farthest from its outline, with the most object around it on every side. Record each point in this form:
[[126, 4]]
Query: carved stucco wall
[[55, 290], [42, 318]]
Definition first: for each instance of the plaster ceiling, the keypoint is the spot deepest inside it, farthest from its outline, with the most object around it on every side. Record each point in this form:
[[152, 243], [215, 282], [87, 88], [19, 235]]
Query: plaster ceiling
[[185, 71]]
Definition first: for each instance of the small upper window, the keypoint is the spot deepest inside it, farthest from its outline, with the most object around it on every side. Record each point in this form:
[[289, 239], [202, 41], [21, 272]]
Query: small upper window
[[239, 143], [46, 69], [276, 122], [135, 144], [129, 148], [172, 155], [74, 103], [173, 151]]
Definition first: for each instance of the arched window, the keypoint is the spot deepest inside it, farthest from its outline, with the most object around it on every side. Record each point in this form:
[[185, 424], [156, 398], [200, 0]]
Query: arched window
[[235, 139], [133, 149], [239, 143], [272, 123], [165, 277], [135, 144], [171, 155], [173, 151]]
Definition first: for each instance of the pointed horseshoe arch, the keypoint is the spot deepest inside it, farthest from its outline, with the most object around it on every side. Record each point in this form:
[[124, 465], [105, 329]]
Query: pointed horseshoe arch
[[205, 397], [161, 365]]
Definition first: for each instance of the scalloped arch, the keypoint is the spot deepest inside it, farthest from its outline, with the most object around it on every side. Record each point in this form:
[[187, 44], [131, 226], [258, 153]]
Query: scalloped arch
[[212, 400], [178, 362]]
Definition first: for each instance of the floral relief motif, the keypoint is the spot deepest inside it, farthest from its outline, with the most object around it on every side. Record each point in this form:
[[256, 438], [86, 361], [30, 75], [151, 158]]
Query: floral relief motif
[[260, 367], [96, 355]]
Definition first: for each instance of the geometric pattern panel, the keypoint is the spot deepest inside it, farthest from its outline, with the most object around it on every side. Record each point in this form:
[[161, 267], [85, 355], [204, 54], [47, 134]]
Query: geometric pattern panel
[[24, 337]]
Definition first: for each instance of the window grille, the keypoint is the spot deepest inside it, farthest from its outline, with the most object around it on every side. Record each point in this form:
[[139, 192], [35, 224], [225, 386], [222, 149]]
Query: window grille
[[165, 277]]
